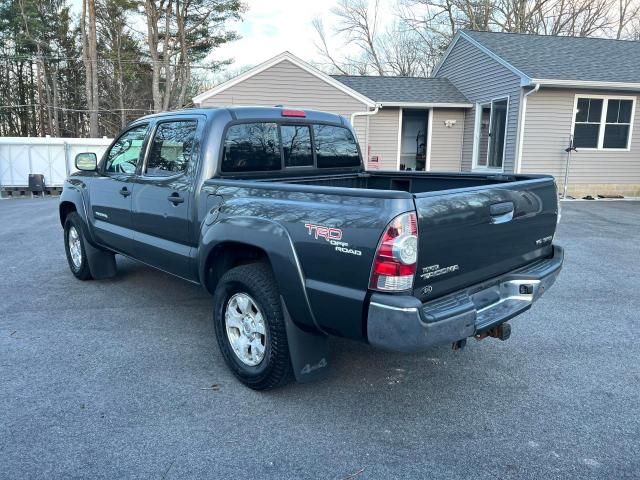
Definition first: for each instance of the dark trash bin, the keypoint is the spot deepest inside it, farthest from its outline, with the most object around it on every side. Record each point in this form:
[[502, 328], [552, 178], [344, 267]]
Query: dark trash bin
[[36, 182]]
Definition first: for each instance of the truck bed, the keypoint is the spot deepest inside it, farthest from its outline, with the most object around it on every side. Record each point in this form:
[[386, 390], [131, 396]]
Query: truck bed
[[411, 182]]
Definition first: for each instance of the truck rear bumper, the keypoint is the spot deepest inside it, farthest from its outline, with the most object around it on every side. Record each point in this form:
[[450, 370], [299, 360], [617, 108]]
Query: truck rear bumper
[[404, 324]]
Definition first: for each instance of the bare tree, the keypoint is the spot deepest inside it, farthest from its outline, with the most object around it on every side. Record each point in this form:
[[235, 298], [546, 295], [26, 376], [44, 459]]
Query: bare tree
[[359, 23], [628, 11], [323, 47]]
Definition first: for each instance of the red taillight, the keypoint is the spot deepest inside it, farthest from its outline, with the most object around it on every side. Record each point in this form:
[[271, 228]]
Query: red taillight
[[293, 113], [395, 262]]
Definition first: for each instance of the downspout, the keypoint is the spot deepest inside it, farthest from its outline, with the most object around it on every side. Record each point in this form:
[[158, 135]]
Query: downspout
[[366, 113], [523, 114]]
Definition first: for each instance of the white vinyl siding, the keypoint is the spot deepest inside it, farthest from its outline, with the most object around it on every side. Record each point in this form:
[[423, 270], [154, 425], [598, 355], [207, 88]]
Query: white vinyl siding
[[383, 138], [446, 142], [481, 78], [548, 127]]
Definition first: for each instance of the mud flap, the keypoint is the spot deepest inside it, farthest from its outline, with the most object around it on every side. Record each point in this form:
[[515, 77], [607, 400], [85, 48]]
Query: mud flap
[[101, 264], [309, 352]]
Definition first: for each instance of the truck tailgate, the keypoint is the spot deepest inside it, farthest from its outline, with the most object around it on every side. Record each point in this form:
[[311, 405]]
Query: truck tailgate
[[469, 235]]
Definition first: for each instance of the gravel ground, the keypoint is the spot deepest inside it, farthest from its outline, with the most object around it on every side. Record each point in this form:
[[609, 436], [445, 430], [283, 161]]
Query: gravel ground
[[122, 378]]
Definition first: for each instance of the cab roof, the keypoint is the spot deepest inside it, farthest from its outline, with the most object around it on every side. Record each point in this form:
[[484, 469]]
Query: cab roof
[[255, 112]]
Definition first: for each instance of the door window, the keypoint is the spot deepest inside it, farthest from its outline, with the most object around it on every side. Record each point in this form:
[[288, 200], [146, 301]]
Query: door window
[[171, 149], [497, 133], [124, 154], [490, 134]]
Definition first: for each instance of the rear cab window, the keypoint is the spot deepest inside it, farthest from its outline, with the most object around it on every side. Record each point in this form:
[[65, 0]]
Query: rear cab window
[[335, 147], [272, 146], [251, 147]]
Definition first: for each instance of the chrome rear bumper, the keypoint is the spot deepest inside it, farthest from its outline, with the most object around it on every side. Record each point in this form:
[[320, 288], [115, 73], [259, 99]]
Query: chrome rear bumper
[[403, 323]]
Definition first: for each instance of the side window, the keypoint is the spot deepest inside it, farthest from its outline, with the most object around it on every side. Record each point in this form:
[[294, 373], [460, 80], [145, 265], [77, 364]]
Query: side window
[[335, 147], [171, 148], [251, 147], [296, 145], [124, 154]]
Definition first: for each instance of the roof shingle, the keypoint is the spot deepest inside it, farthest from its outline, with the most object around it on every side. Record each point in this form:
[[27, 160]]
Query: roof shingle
[[565, 58], [404, 89]]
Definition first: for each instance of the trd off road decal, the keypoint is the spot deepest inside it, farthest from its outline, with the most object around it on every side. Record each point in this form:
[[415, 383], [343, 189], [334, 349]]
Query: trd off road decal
[[333, 236]]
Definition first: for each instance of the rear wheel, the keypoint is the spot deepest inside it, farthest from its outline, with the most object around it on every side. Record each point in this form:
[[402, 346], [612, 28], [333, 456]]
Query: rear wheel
[[74, 247], [250, 328]]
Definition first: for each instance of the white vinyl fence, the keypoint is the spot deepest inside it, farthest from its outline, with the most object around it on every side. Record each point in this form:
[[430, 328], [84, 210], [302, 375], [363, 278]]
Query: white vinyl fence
[[52, 157]]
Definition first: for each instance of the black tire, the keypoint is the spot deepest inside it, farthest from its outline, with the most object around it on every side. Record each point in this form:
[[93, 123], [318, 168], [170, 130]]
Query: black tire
[[257, 281], [73, 222]]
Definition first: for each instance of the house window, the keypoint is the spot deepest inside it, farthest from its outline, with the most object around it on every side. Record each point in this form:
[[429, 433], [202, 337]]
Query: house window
[[603, 122]]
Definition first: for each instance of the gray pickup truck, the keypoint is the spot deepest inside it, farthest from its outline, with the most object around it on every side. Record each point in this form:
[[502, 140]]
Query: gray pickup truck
[[272, 212]]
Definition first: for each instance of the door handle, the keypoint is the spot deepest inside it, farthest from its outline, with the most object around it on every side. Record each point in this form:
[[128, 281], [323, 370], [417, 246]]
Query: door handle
[[175, 198], [501, 212], [124, 191]]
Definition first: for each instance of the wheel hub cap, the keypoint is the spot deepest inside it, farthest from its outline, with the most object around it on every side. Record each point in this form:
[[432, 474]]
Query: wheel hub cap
[[75, 250], [245, 328]]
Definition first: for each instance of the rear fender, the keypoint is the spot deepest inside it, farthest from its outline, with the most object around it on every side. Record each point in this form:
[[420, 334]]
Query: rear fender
[[272, 238]]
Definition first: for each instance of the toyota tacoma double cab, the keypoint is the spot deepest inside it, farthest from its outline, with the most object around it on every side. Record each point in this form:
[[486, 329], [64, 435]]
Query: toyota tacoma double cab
[[272, 211]]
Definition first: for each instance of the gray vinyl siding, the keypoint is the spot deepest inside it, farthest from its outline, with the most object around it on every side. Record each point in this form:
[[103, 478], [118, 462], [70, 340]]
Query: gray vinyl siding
[[383, 138], [547, 130], [289, 85], [481, 78], [446, 143]]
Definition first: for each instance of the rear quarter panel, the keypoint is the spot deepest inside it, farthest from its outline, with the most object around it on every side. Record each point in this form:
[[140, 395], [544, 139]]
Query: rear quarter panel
[[335, 263]]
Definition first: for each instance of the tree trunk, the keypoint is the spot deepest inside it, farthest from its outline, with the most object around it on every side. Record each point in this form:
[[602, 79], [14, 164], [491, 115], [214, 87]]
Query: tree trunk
[[90, 60], [152, 34]]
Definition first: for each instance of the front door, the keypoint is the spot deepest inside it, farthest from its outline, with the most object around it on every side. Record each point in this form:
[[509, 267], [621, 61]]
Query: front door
[[490, 134], [111, 192], [497, 131], [161, 208], [413, 139]]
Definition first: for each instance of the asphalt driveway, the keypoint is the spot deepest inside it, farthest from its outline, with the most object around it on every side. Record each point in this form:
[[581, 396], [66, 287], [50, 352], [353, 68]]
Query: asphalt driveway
[[122, 378]]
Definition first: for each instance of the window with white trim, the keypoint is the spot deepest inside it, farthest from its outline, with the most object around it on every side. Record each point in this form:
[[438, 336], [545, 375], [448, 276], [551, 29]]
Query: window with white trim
[[603, 122]]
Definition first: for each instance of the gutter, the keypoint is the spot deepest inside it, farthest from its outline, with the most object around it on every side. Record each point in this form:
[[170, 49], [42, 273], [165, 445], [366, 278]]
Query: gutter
[[587, 84], [523, 114]]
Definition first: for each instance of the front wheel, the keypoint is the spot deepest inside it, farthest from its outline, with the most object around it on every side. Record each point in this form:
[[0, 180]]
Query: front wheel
[[75, 248], [249, 326]]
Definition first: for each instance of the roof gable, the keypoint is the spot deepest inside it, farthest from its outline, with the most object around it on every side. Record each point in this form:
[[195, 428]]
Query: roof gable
[[284, 56]]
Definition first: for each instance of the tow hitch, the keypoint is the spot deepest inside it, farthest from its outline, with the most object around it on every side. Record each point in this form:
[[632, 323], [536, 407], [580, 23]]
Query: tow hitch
[[502, 331]]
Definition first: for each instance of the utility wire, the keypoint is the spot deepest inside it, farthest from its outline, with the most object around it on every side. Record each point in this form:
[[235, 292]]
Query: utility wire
[[145, 61], [114, 110]]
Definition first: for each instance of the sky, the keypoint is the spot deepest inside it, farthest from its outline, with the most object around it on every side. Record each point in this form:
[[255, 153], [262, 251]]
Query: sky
[[270, 27]]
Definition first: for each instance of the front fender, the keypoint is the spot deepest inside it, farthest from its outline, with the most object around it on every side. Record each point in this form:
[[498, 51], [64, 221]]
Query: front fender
[[274, 239], [74, 192]]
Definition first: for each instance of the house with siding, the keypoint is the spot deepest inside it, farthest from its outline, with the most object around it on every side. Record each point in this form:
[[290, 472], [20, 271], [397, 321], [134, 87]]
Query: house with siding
[[497, 102], [400, 122], [540, 95]]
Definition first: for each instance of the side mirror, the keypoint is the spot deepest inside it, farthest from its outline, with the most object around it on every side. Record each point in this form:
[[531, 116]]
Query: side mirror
[[87, 161]]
